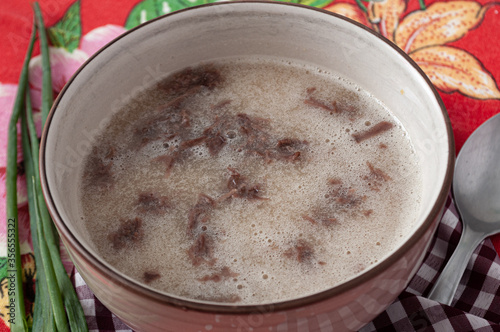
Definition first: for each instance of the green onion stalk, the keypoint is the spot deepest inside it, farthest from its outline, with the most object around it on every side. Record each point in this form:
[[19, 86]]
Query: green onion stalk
[[17, 313], [57, 307]]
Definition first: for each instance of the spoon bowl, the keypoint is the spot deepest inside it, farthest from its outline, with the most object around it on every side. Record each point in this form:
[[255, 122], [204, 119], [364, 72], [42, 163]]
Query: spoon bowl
[[476, 189], [477, 177]]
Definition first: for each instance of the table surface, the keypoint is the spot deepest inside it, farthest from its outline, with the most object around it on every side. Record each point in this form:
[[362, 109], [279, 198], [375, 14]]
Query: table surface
[[456, 43]]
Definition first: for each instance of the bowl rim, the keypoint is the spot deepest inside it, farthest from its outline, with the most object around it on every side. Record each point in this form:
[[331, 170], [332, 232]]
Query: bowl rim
[[98, 264]]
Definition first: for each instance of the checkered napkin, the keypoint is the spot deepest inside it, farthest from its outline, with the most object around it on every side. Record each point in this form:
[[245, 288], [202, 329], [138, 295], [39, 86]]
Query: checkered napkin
[[476, 306]]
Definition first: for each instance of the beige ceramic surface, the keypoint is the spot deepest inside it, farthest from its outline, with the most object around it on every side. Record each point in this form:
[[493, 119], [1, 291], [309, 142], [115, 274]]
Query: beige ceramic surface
[[138, 58]]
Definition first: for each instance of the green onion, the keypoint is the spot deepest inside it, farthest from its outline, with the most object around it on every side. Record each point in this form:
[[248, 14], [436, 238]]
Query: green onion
[[57, 285], [52, 287], [63, 311], [42, 316], [18, 322], [71, 303], [47, 94]]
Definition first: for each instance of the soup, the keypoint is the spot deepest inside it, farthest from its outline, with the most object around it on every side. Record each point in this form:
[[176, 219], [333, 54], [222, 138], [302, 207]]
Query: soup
[[250, 181]]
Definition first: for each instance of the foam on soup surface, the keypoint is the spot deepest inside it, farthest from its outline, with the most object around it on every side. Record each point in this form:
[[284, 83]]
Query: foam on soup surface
[[250, 181]]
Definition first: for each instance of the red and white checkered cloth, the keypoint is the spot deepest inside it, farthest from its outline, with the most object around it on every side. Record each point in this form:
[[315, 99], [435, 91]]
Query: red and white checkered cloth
[[476, 306]]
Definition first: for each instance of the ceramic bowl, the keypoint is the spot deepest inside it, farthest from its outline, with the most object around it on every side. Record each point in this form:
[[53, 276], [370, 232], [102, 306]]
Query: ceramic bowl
[[145, 54]]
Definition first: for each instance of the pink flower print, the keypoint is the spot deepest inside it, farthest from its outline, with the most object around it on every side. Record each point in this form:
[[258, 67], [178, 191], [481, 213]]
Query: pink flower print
[[7, 98], [99, 37], [62, 64]]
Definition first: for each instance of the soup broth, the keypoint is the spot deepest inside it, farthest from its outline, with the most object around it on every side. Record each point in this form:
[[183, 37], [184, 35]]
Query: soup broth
[[250, 181]]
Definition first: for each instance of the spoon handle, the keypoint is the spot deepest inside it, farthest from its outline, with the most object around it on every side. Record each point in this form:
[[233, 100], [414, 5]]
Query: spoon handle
[[447, 283]]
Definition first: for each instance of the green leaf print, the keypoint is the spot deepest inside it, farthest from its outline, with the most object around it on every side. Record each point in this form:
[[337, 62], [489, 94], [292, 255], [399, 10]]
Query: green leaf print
[[315, 3], [67, 32], [149, 9], [312, 3]]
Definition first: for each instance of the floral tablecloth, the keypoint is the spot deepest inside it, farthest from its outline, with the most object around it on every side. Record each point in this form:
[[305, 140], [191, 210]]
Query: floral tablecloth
[[456, 43]]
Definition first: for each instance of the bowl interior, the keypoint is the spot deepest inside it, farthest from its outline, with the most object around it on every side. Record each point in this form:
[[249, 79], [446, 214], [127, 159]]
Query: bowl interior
[[137, 59]]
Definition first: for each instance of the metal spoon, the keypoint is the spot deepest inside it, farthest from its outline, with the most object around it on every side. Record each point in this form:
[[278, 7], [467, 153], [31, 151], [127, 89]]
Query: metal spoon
[[476, 187]]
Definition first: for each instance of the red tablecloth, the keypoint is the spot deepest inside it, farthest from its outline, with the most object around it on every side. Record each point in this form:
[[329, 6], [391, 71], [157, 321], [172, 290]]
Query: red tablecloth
[[456, 43]]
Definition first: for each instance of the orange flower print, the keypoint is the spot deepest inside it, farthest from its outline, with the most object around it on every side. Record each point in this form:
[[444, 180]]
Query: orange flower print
[[424, 35], [385, 16], [452, 69], [349, 10]]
